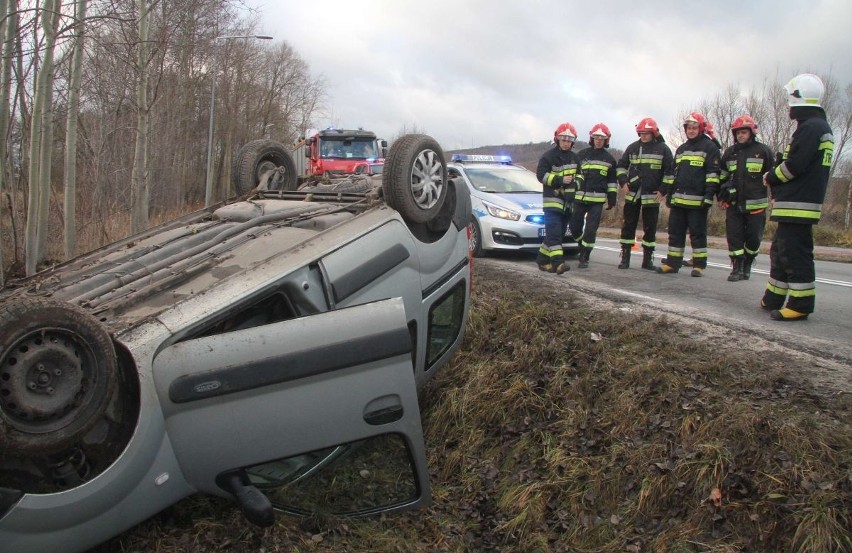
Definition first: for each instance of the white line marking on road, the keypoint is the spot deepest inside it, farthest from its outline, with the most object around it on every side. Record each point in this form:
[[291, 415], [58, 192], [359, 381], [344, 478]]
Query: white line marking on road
[[832, 282]]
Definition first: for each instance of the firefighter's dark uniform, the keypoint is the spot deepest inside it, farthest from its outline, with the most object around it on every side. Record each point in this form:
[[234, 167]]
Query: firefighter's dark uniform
[[689, 197], [644, 167], [596, 186], [798, 188], [557, 197], [743, 166]]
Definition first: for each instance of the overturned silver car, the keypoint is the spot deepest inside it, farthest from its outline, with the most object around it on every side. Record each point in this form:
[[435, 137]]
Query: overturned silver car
[[247, 350]]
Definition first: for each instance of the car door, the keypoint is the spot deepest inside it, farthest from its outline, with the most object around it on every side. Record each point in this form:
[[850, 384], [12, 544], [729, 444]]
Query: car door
[[283, 390]]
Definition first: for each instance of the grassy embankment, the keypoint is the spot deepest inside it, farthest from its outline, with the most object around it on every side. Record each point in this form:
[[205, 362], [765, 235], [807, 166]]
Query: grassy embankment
[[558, 428]]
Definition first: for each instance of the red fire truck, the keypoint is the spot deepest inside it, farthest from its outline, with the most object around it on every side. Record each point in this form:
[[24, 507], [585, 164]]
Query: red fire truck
[[331, 151]]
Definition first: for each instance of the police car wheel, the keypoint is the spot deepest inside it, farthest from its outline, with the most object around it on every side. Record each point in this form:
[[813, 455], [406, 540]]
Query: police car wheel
[[475, 242]]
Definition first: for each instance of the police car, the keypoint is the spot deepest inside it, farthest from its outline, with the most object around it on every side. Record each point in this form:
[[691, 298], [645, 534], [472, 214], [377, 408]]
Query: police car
[[506, 204]]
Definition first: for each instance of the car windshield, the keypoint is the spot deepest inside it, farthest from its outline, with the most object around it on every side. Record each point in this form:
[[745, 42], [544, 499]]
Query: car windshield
[[503, 179]]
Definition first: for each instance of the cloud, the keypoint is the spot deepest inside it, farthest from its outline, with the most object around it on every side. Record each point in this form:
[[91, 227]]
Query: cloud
[[477, 73]]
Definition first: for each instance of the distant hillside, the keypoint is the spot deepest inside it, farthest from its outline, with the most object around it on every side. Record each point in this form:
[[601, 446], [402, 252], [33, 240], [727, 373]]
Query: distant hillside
[[526, 155]]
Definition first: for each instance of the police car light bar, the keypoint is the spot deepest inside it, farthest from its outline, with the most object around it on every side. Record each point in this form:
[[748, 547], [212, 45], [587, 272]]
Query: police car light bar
[[476, 157]]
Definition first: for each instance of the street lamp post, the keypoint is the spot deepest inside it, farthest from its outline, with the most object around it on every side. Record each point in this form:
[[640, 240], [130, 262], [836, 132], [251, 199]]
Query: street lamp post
[[208, 188]]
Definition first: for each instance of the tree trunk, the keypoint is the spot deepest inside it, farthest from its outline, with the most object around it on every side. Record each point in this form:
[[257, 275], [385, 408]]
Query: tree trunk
[[71, 131], [46, 148], [5, 93], [40, 142], [139, 175]]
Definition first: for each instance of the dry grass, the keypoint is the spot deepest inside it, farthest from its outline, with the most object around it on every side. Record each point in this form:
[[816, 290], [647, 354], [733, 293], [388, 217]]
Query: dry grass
[[543, 439]]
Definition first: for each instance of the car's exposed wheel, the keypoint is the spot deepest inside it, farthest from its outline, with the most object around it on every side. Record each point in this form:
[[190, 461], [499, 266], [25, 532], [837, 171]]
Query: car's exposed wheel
[[57, 373], [256, 159], [475, 242], [414, 181]]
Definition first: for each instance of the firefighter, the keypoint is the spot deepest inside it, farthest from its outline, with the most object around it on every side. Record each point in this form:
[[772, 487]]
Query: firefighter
[[645, 166], [743, 195], [797, 187], [690, 196], [556, 171], [711, 133], [596, 186]]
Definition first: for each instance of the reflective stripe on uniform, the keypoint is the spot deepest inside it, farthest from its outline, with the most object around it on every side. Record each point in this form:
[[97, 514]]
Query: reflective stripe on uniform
[[687, 200], [754, 165], [798, 210], [759, 203], [783, 174], [777, 287], [554, 203], [827, 147], [802, 289], [551, 251], [593, 197]]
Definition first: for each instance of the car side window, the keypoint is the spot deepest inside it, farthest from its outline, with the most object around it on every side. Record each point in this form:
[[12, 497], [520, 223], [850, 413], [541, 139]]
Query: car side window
[[445, 323]]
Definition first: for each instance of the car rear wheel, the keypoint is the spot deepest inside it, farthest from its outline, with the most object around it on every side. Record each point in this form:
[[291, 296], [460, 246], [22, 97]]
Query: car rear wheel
[[256, 159], [414, 181], [58, 371]]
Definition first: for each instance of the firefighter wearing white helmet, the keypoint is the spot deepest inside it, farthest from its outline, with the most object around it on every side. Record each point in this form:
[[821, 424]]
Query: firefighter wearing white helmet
[[797, 188], [743, 196], [596, 186], [646, 165], [556, 171]]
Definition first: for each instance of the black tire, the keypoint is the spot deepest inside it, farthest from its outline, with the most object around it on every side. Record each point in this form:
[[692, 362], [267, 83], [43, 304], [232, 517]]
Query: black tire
[[258, 157], [414, 181], [58, 371], [475, 241]]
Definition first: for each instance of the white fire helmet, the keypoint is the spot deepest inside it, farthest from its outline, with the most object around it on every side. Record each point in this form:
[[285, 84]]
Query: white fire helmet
[[805, 90]]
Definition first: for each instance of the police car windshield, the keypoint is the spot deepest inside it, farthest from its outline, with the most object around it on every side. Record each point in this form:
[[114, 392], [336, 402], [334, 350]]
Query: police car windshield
[[503, 179]]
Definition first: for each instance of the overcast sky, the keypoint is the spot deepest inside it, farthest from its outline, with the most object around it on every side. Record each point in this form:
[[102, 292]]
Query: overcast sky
[[474, 72]]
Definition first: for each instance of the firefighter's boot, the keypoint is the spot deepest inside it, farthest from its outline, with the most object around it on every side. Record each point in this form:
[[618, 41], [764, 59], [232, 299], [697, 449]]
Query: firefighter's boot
[[665, 269], [736, 269], [583, 259], [747, 262], [625, 256], [787, 314], [648, 258], [557, 268]]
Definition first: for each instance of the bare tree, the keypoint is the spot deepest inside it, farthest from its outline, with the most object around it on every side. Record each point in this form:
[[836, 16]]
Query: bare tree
[[41, 139], [5, 94], [70, 195], [139, 176]]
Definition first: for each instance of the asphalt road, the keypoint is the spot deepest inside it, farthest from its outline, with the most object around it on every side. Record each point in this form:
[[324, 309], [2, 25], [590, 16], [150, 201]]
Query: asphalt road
[[827, 334]]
